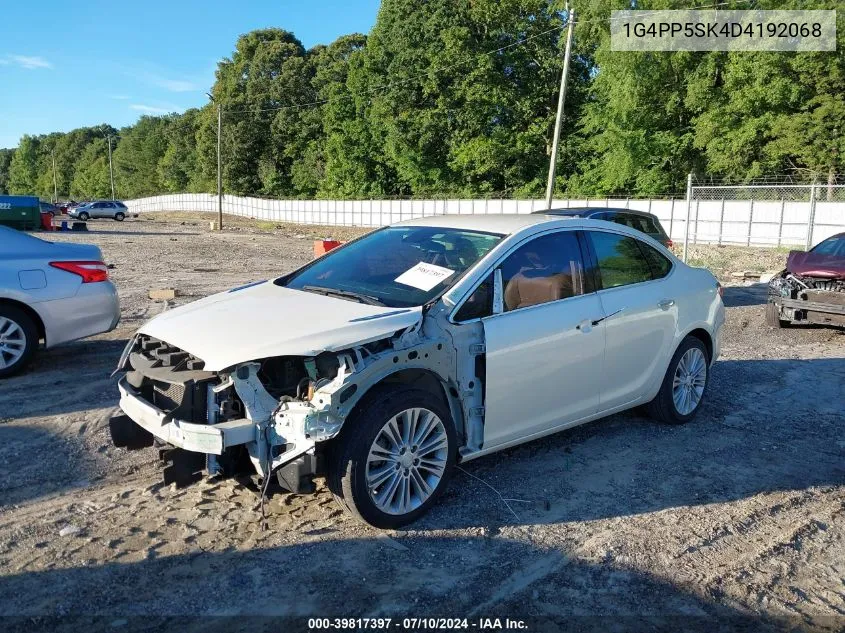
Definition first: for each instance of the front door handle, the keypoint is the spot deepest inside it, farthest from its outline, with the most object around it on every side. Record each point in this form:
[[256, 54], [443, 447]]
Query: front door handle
[[666, 304]]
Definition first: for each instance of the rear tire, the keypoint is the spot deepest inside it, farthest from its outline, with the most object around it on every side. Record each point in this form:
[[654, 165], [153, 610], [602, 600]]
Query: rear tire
[[684, 385], [119, 216], [18, 340], [396, 490], [84, 216], [773, 316]]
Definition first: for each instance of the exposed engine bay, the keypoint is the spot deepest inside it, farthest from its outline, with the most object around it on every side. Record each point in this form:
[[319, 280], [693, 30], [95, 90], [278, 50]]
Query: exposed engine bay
[[803, 299]]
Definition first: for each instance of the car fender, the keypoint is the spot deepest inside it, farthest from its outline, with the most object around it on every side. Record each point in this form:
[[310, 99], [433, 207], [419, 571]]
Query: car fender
[[26, 301], [429, 358]]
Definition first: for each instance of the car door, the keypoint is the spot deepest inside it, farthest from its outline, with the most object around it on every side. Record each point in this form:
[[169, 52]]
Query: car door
[[544, 343], [640, 314]]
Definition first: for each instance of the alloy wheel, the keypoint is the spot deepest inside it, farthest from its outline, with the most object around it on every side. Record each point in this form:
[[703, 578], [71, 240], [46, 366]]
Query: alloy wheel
[[689, 381], [12, 342], [407, 461]]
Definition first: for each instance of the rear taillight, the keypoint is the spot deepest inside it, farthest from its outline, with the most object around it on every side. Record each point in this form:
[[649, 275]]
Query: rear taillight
[[91, 272], [669, 243]]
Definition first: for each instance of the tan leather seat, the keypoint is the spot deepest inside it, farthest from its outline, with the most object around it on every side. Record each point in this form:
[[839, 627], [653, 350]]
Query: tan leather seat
[[527, 288]]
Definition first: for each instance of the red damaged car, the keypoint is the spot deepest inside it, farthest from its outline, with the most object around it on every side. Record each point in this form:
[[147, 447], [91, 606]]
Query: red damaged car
[[812, 288]]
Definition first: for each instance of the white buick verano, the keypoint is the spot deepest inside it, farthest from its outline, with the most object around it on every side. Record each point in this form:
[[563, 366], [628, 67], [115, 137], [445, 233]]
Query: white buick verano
[[425, 344]]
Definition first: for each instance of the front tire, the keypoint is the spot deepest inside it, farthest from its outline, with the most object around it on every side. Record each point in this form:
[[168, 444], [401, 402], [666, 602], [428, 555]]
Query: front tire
[[394, 457], [773, 316], [84, 216], [684, 384], [18, 339]]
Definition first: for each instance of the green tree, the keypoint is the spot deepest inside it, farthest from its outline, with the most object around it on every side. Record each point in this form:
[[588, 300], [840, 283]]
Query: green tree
[[5, 159], [177, 168], [765, 113], [91, 177], [266, 74], [23, 168]]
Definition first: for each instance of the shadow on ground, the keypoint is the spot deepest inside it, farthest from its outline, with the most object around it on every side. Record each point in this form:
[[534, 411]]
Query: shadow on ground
[[20, 446], [741, 296], [69, 378], [474, 577], [759, 431]]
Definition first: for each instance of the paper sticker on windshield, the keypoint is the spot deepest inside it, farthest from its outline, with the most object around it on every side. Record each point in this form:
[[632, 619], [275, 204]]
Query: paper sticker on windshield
[[424, 276]]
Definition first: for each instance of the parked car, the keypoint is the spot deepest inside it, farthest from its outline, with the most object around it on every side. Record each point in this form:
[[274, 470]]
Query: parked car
[[812, 287], [113, 209], [432, 342], [640, 220], [50, 293], [49, 207]]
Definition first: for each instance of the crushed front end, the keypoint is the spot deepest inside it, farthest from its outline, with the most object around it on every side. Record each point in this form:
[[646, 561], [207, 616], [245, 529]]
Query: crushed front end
[[804, 299], [255, 418], [272, 415]]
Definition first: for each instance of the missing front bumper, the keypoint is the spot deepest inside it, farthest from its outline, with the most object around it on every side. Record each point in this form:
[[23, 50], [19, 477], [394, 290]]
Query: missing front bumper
[[190, 436]]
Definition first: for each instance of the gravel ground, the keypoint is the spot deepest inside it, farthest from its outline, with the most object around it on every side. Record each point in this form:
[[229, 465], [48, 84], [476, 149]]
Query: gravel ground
[[619, 524]]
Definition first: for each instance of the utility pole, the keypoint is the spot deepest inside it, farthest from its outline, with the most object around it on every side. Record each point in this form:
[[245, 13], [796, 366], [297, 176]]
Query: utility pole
[[550, 186], [689, 208], [55, 184], [219, 168], [111, 171]]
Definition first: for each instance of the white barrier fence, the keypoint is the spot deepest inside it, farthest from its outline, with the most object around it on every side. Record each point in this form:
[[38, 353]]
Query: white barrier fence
[[744, 222]]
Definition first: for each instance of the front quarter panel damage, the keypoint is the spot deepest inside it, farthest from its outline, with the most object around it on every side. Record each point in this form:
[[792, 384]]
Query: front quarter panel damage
[[289, 427]]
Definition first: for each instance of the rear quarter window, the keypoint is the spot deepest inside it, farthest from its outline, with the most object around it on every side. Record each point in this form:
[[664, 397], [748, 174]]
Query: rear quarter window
[[660, 265], [620, 260]]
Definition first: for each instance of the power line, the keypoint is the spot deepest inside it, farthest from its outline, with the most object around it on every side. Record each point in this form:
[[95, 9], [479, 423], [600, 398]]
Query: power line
[[390, 84], [387, 85]]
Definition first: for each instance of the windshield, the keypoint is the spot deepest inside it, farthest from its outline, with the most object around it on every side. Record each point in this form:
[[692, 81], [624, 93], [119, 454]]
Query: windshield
[[399, 266]]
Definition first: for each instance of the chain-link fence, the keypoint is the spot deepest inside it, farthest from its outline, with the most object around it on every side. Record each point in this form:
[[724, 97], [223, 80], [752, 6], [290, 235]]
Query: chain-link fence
[[791, 193], [770, 214]]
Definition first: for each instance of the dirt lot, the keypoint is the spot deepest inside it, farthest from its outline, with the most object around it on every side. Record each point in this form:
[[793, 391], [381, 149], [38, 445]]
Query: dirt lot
[[740, 514]]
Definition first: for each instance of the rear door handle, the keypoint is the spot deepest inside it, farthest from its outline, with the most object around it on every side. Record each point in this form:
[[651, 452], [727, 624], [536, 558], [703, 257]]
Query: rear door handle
[[666, 304], [597, 321]]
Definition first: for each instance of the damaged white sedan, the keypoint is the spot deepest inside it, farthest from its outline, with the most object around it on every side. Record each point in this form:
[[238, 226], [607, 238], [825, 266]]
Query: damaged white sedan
[[387, 361]]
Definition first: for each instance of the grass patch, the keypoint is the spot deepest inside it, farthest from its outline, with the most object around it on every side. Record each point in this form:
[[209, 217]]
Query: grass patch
[[724, 260]]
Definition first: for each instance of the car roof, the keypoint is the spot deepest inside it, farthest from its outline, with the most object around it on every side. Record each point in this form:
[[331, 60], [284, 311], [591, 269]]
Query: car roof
[[581, 211], [506, 223]]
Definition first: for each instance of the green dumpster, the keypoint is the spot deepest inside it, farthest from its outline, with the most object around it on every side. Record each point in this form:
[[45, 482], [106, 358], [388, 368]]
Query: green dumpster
[[20, 212]]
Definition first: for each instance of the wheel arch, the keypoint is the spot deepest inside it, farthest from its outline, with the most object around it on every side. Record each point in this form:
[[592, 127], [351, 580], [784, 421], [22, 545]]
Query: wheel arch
[[704, 336], [30, 312], [415, 377]]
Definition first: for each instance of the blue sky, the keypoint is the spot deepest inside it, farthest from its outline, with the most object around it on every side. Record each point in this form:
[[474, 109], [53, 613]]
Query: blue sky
[[71, 64]]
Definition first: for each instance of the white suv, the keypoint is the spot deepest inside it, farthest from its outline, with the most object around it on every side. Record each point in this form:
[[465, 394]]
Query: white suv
[[113, 209], [387, 361]]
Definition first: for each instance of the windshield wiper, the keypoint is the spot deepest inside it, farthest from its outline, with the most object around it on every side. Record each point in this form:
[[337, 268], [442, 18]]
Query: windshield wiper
[[345, 294]]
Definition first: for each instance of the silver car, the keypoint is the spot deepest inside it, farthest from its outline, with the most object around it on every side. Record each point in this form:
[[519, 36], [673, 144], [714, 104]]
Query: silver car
[[113, 209], [50, 293]]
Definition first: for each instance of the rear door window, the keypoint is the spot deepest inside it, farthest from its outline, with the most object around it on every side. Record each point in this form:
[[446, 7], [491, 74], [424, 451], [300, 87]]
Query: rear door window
[[620, 260]]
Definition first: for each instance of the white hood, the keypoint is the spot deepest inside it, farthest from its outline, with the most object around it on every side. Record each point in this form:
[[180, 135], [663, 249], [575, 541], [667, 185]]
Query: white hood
[[265, 320]]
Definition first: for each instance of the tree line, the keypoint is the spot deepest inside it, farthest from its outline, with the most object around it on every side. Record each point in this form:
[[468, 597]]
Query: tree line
[[457, 98]]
